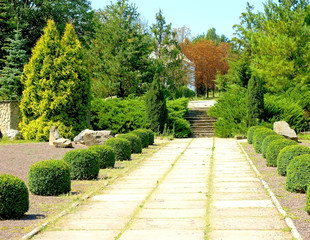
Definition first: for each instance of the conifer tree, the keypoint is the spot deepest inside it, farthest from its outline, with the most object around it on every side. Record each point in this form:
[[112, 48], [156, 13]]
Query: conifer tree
[[255, 100], [156, 106], [56, 86], [10, 84]]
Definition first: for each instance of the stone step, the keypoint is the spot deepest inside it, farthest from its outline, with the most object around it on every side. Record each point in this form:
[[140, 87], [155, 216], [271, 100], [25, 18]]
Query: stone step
[[190, 118], [198, 135]]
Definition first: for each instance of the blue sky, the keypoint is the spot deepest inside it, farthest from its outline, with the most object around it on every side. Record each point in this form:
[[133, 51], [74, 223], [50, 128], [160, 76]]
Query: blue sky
[[198, 15]]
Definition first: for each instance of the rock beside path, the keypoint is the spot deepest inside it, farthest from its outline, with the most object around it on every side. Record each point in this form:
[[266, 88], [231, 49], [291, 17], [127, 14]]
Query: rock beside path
[[283, 128], [97, 137], [62, 143], [54, 135], [80, 137], [12, 134]]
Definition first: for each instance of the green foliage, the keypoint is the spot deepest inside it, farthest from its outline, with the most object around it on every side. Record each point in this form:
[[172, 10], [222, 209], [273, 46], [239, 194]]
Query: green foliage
[[49, 178], [56, 86], [274, 149], [230, 111], [117, 115], [308, 200], [267, 140], [255, 101], [184, 92], [10, 85], [136, 144], [156, 107], [251, 132], [278, 108], [299, 94], [106, 155], [84, 164], [259, 137], [121, 147], [14, 197], [177, 109], [287, 154], [151, 136], [119, 52], [143, 135], [298, 174]]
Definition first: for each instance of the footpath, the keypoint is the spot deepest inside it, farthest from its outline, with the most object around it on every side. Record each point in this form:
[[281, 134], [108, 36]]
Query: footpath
[[191, 189]]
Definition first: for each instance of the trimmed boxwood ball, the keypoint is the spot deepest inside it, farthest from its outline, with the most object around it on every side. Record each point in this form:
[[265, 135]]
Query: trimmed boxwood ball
[[250, 133], [49, 178], [298, 174], [106, 155], [143, 135], [259, 136], [84, 164], [136, 145], [14, 197], [267, 140], [121, 146], [308, 199], [151, 136], [287, 154], [274, 149]]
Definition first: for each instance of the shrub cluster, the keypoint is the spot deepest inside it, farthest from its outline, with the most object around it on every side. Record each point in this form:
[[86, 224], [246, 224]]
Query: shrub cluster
[[259, 136], [308, 199], [84, 164], [151, 136], [106, 155], [274, 149], [143, 135], [14, 197], [267, 140], [298, 174], [250, 133], [287, 154], [136, 145], [49, 178], [121, 147]]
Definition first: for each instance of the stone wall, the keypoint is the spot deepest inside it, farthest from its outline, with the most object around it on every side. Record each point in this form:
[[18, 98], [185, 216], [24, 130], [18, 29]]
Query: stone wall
[[9, 115]]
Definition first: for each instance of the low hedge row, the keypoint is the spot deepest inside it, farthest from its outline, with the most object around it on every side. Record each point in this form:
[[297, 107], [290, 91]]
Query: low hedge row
[[267, 140], [250, 133], [135, 141], [258, 137], [121, 147], [105, 154]]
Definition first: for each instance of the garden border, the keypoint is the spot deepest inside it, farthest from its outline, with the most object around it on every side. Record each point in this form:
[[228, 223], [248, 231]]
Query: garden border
[[275, 201]]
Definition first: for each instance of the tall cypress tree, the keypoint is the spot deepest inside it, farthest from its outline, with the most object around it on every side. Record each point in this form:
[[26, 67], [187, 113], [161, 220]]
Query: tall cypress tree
[[156, 106], [255, 100], [10, 84]]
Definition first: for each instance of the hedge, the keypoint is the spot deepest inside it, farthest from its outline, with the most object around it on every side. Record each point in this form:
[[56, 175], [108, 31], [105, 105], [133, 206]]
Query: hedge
[[259, 136], [122, 148], [49, 178], [14, 197], [151, 136], [308, 199], [267, 140], [287, 154], [298, 174], [250, 133], [84, 164], [136, 145], [143, 135], [274, 149], [106, 155]]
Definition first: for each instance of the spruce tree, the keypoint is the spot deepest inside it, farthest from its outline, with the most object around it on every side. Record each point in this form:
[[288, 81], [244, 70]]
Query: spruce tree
[[156, 107], [255, 100], [10, 84], [56, 86]]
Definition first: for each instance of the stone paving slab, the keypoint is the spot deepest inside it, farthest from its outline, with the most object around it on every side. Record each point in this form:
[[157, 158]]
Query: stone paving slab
[[77, 235], [240, 212], [161, 204], [163, 235]]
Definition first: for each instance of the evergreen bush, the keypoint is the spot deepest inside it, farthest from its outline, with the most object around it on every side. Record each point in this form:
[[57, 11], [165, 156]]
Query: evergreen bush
[[14, 197], [136, 145], [287, 154], [156, 107], [121, 147], [49, 178], [267, 140], [84, 164], [259, 136], [308, 199], [151, 136], [106, 155], [251, 132], [298, 174], [274, 149], [143, 135]]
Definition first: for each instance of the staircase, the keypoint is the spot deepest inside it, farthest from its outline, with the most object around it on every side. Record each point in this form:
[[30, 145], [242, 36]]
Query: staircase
[[201, 123]]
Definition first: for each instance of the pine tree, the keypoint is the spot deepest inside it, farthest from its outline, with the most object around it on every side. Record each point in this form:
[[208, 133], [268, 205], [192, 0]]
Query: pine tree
[[255, 101], [10, 84], [56, 86], [156, 107]]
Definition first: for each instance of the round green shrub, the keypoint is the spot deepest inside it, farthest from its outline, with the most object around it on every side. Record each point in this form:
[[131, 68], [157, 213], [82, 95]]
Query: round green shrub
[[84, 164], [298, 174], [106, 155], [287, 154], [14, 197], [121, 146], [259, 136], [308, 199], [143, 135], [274, 149], [49, 178], [267, 140], [136, 145], [250, 133], [151, 136]]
